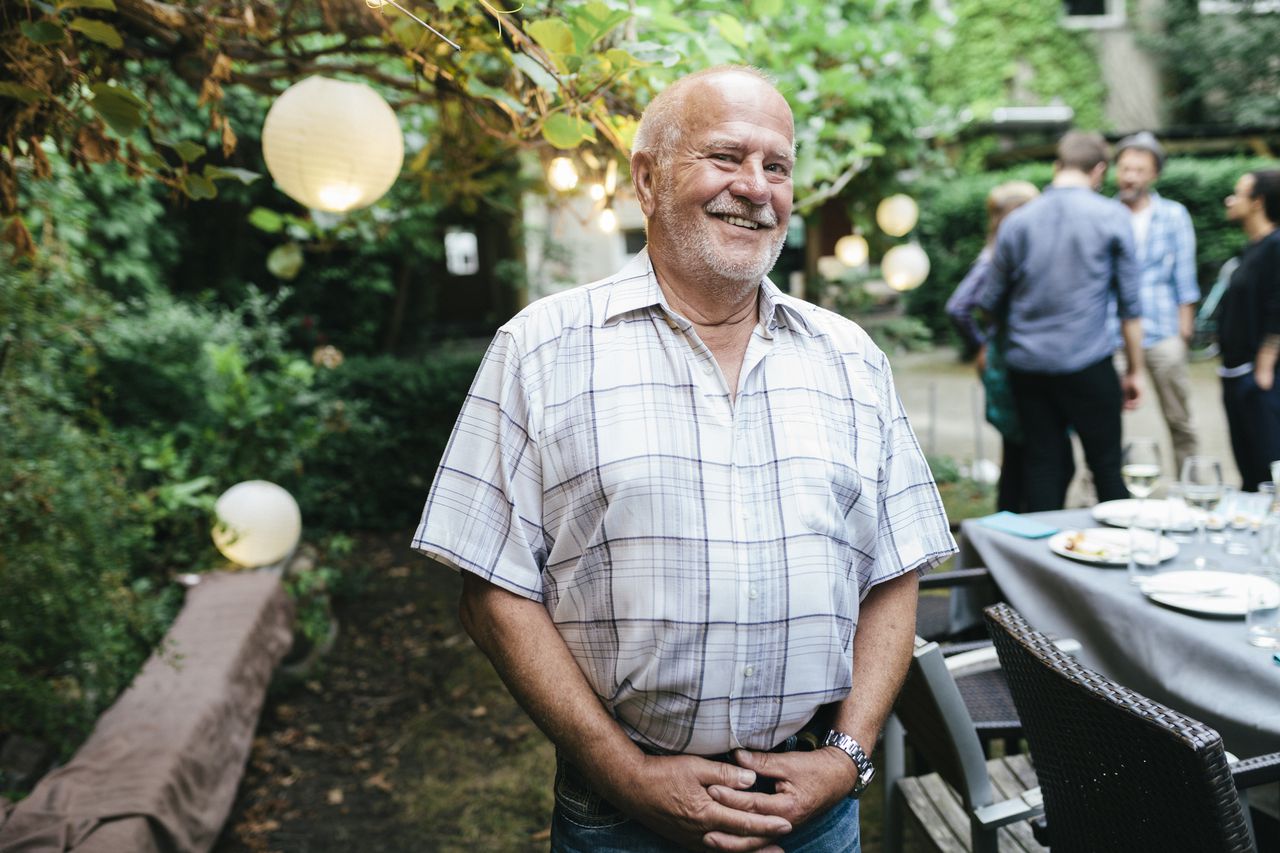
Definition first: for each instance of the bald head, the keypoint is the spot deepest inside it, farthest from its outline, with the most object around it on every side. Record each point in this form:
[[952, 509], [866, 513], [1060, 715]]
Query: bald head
[[664, 121]]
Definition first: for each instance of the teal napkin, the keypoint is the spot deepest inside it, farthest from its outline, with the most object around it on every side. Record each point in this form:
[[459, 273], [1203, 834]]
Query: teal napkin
[[1018, 525]]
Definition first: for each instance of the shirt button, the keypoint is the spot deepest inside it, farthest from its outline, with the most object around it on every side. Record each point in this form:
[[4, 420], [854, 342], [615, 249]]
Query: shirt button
[[753, 593], [708, 368], [749, 671]]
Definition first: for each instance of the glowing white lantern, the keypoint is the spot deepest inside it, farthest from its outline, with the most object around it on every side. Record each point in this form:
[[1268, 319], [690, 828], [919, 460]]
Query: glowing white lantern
[[852, 250], [905, 267], [258, 523], [332, 145], [830, 268], [897, 214], [608, 220], [562, 174]]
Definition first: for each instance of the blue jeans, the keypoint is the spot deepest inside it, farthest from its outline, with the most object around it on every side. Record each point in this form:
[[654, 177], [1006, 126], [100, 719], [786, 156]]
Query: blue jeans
[[583, 823]]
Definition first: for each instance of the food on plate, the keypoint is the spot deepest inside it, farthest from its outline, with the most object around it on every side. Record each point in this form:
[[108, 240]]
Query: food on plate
[[1078, 543]]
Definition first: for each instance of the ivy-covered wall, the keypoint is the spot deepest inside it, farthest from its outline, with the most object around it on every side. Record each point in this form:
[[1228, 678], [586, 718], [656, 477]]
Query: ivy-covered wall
[[1016, 53]]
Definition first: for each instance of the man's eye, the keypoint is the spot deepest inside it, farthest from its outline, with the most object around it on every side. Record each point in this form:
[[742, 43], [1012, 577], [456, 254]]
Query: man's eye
[[778, 168]]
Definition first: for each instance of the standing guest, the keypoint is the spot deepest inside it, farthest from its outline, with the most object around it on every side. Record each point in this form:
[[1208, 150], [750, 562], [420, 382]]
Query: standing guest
[[1060, 262], [962, 308], [1249, 329], [1165, 244], [690, 513]]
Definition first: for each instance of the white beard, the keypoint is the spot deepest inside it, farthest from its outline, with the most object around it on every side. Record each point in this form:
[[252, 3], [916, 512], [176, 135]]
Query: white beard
[[694, 241]]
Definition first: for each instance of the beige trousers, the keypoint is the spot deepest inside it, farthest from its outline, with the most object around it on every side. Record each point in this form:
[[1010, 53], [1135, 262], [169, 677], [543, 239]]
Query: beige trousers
[[1167, 367]]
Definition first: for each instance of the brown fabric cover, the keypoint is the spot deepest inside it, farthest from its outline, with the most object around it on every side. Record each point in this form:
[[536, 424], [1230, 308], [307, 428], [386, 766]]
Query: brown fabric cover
[[161, 768]]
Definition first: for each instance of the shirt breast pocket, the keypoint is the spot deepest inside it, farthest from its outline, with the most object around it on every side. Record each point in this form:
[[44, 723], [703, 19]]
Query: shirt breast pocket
[[819, 473]]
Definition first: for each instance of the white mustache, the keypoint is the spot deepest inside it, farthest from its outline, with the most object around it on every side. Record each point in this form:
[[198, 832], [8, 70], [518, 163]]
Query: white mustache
[[760, 214]]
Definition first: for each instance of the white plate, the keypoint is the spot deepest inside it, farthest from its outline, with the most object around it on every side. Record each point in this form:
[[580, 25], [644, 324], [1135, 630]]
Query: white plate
[[1105, 546], [1173, 515], [1209, 593]]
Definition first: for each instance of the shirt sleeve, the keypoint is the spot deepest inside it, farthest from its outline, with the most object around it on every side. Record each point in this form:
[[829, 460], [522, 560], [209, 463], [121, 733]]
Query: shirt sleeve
[[999, 278], [484, 511], [913, 530], [964, 302], [1186, 288], [1127, 275]]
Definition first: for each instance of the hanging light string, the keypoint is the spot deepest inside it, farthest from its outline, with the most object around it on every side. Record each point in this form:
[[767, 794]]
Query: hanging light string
[[378, 4]]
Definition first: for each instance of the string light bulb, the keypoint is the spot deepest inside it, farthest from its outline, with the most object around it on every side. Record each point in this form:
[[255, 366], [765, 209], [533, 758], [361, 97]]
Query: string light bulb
[[852, 250], [897, 215], [562, 175], [905, 267], [608, 220], [597, 192]]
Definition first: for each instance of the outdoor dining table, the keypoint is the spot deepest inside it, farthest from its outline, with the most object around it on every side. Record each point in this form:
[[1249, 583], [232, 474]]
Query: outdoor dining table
[[1203, 667]]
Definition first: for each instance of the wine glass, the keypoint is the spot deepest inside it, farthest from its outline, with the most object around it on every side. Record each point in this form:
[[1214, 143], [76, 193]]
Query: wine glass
[[1202, 489], [1140, 470]]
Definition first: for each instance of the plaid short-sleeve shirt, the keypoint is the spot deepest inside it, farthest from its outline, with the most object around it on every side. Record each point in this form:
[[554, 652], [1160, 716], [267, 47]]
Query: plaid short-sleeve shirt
[[703, 559]]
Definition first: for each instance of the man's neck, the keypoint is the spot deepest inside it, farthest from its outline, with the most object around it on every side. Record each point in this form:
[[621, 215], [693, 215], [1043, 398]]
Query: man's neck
[[1139, 204], [1067, 178], [1257, 227], [710, 301]]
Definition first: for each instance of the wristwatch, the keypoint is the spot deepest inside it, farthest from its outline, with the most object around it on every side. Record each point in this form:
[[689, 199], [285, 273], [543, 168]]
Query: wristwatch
[[851, 748]]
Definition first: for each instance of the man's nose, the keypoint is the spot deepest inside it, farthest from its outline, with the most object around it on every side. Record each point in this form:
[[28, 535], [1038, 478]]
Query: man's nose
[[750, 184]]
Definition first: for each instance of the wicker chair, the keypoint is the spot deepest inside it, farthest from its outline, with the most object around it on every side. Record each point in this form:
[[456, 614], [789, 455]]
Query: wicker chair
[[1120, 771], [967, 802]]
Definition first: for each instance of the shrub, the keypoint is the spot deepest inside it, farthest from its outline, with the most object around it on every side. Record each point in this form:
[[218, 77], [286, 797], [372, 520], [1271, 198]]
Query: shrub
[[375, 462]]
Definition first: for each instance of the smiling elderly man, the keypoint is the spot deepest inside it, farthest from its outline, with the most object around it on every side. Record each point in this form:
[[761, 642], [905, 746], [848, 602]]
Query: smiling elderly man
[[690, 513]]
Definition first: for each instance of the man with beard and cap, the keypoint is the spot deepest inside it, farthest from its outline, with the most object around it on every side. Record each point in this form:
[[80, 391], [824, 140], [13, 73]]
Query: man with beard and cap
[[690, 513], [1165, 244]]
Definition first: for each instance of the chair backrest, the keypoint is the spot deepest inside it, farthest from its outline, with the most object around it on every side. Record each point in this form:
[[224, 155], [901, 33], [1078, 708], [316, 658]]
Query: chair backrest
[[1118, 771], [931, 709]]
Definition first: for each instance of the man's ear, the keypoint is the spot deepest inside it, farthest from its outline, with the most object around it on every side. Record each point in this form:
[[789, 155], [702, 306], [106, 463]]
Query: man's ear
[[644, 181], [1099, 172]]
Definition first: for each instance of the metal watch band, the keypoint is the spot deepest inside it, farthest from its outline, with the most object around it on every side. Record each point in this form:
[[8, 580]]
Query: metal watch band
[[851, 748]]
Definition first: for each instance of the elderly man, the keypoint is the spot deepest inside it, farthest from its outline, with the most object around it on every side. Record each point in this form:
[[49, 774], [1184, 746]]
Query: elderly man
[[690, 513], [1061, 262], [1165, 244]]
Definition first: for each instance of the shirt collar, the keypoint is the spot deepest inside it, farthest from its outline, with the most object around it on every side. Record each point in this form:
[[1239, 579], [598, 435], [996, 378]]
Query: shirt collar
[[635, 287]]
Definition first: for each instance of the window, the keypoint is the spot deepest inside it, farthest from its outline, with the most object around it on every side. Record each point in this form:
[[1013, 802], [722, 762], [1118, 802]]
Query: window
[[1093, 14]]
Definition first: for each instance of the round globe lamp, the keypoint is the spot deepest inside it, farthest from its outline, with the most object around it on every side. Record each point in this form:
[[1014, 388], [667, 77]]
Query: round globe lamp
[[897, 215], [852, 250], [332, 145], [258, 523], [905, 267]]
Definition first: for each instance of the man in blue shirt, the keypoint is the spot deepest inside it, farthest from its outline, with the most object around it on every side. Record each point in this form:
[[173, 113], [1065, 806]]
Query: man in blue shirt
[[1061, 261], [1166, 248]]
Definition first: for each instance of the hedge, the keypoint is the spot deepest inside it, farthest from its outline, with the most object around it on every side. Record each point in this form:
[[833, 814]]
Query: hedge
[[953, 222]]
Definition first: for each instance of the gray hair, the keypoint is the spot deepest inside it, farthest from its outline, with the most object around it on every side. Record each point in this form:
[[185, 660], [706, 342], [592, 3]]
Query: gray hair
[[660, 131]]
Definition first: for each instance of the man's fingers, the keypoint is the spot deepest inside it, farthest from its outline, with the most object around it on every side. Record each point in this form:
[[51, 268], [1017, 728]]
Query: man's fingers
[[722, 841], [746, 801], [729, 775]]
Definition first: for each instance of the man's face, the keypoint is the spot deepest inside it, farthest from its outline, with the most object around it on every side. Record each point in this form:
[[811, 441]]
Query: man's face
[[1241, 201], [723, 199], [1136, 171]]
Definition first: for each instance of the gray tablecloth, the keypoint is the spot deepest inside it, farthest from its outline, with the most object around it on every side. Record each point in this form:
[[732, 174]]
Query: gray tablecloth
[[1200, 666]]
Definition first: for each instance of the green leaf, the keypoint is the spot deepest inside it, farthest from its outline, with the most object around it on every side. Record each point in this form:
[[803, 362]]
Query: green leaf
[[265, 219], [42, 32], [186, 149], [553, 34], [447, 6], [105, 5], [198, 187], [99, 31], [154, 160], [119, 108], [22, 93], [285, 261], [226, 173], [592, 22], [483, 90], [767, 8], [567, 132], [536, 73], [731, 30], [621, 60]]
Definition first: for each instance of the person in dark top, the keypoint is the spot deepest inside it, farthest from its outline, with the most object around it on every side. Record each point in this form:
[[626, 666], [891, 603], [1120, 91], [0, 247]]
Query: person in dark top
[[1249, 329]]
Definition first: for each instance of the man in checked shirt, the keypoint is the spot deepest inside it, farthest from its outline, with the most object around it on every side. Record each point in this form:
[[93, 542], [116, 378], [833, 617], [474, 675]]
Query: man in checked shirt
[[690, 513]]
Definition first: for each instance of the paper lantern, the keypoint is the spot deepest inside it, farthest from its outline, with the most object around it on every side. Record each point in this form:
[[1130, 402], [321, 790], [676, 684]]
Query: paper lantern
[[562, 174], [332, 145], [852, 250], [905, 267], [897, 215], [831, 268], [258, 523]]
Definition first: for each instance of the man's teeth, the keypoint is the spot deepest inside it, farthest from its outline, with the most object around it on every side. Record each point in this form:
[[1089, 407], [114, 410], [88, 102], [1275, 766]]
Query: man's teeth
[[741, 223]]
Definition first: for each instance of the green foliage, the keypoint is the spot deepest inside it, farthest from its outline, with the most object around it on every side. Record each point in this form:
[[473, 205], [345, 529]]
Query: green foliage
[[386, 434], [1223, 65], [953, 222], [1014, 53], [78, 617]]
